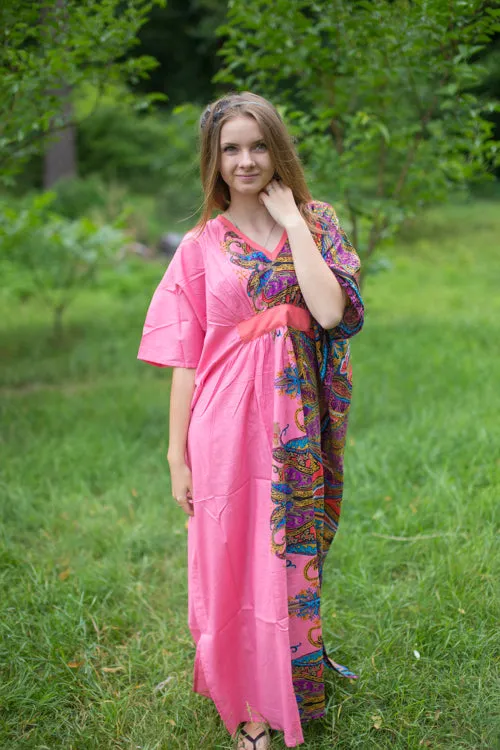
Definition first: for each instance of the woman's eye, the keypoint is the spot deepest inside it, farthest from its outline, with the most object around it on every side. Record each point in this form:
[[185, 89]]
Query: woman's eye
[[261, 147], [229, 148]]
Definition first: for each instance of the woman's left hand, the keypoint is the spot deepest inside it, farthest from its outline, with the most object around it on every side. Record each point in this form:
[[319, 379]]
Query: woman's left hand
[[279, 201]]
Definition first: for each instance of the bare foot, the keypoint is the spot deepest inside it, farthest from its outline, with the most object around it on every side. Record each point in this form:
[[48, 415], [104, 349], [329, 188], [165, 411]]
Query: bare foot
[[254, 736]]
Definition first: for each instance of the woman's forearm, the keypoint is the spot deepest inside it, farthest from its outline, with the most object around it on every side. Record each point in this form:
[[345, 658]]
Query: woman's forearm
[[181, 395], [322, 292]]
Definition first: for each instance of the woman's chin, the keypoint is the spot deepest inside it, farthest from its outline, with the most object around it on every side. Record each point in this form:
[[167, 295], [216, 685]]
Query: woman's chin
[[248, 189]]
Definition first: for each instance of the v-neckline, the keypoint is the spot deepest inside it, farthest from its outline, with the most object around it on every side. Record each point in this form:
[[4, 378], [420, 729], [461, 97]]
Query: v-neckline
[[271, 254]]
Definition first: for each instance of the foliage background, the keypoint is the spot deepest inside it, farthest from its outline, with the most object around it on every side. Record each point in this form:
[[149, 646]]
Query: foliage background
[[94, 646]]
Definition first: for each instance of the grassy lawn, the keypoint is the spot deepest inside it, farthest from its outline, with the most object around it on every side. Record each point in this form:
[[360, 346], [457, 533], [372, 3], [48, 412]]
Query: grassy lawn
[[94, 646]]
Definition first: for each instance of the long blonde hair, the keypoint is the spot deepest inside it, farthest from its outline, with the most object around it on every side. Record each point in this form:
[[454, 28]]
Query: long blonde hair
[[276, 137]]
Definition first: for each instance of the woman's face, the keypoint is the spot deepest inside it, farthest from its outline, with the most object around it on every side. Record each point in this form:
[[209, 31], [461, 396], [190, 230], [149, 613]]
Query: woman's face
[[245, 163]]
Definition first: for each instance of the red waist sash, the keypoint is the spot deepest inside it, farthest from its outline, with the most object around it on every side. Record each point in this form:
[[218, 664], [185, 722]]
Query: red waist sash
[[275, 317]]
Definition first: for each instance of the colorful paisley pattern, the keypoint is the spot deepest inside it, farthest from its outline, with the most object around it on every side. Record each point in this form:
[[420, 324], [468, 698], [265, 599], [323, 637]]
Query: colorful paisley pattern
[[313, 394]]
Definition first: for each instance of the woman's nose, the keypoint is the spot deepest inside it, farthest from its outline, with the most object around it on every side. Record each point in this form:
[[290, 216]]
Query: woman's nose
[[246, 158]]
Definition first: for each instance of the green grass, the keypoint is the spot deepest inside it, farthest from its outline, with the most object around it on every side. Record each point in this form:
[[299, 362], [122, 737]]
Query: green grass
[[95, 650]]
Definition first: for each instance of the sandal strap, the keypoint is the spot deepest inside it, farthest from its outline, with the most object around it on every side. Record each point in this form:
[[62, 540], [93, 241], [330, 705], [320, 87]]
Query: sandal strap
[[253, 740]]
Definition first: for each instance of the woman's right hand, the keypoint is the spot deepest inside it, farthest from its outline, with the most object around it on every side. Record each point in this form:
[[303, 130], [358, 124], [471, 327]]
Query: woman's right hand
[[182, 486]]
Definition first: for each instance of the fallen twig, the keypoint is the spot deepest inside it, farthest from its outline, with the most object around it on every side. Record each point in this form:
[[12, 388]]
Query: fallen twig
[[418, 538]]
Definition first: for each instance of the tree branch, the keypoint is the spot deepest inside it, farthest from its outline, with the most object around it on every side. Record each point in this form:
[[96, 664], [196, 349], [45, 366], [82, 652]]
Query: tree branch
[[338, 136], [353, 216]]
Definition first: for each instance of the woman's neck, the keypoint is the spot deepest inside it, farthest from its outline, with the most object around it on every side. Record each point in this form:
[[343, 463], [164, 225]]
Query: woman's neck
[[248, 211]]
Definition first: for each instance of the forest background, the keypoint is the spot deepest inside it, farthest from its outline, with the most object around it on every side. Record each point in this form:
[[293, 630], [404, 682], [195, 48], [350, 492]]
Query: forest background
[[394, 106]]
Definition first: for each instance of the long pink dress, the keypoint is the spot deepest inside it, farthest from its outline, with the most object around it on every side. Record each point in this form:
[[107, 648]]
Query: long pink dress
[[265, 446]]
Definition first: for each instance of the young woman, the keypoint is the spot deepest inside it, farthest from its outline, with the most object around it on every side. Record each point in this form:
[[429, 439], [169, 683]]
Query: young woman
[[254, 314]]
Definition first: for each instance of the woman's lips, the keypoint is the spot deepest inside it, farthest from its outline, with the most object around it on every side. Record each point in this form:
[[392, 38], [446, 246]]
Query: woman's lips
[[247, 176]]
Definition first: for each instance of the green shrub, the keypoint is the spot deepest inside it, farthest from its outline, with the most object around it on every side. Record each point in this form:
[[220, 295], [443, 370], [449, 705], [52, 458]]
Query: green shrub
[[46, 255], [77, 197], [150, 154]]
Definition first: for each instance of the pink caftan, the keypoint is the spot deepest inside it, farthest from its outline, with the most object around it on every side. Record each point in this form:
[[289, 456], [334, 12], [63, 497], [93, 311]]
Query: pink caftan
[[265, 446]]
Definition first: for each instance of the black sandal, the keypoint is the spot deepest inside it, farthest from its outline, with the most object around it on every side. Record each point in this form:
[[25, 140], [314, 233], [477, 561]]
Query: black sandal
[[253, 740]]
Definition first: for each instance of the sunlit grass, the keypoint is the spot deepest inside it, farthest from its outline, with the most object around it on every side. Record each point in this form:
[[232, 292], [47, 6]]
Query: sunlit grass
[[95, 650]]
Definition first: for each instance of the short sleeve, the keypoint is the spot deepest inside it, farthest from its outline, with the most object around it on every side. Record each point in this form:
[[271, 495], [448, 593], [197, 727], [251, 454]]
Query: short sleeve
[[174, 330], [344, 261]]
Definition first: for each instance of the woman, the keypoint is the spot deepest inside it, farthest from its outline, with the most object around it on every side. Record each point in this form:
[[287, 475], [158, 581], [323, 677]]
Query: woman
[[253, 314]]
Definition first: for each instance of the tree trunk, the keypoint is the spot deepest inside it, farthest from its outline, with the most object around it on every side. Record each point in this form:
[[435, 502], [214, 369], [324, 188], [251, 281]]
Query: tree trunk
[[60, 157], [57, 321]]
